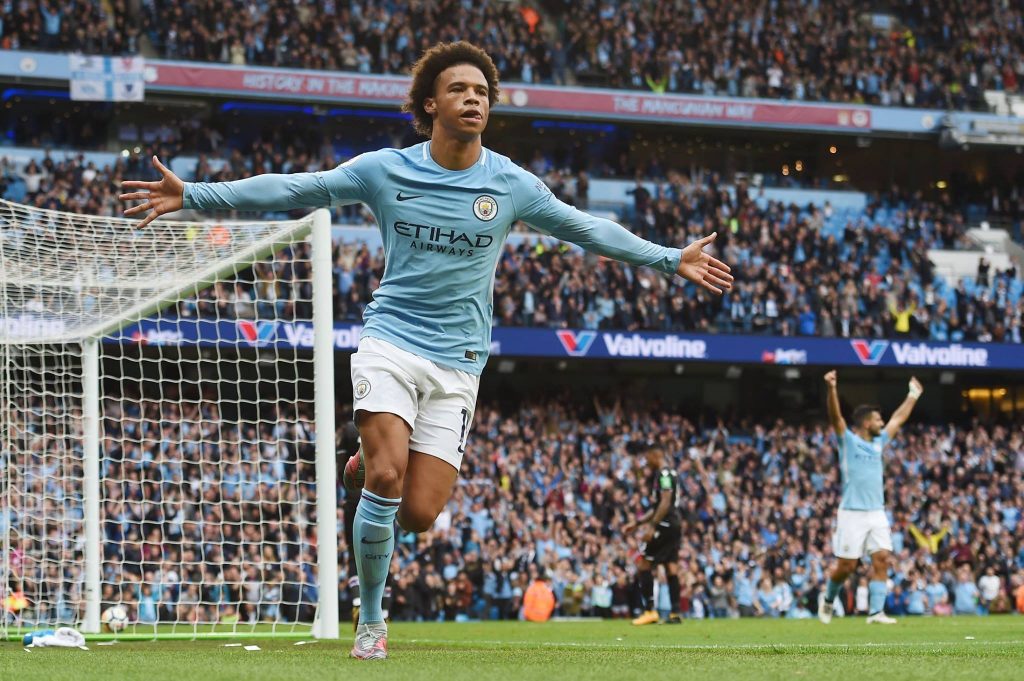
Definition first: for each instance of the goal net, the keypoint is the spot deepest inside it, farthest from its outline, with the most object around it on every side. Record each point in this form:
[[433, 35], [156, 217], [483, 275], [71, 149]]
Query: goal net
[[166, 425]]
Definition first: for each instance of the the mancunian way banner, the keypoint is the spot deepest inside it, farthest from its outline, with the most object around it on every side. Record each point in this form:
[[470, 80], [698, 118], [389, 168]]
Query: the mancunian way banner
[[591, 102]]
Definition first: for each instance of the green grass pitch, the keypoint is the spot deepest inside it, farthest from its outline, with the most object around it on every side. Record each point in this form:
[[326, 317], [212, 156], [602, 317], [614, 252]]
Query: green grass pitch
[[980, 649]]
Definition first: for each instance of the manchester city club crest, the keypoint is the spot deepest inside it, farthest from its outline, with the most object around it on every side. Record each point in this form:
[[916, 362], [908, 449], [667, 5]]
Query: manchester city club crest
[[485, 208], [362, 389]]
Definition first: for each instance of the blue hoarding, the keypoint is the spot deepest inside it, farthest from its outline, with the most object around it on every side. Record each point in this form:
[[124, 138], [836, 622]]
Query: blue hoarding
[[590, 344]]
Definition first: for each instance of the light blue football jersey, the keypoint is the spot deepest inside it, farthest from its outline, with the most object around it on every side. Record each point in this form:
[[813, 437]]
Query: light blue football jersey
[[862, 463], [443, 231]]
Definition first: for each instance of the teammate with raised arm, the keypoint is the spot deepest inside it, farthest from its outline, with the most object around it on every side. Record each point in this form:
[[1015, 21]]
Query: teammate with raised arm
[[444, 208], [862, 528]]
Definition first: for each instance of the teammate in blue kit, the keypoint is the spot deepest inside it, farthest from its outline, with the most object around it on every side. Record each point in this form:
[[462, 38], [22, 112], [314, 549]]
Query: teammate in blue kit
[[862, 528], [444, 208]]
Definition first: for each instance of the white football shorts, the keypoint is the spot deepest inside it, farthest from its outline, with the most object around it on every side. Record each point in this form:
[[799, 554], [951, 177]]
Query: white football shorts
[[437, 402], [861, 533]]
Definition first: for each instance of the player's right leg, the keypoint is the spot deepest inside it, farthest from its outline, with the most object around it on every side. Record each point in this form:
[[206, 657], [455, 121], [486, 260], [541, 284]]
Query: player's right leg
[[385, 443], [645, 587], [847, 546], [840, 573], [385, 407], [879, 545]]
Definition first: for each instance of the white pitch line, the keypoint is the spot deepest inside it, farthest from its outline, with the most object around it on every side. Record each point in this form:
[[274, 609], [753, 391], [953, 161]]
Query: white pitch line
[[710, 646]]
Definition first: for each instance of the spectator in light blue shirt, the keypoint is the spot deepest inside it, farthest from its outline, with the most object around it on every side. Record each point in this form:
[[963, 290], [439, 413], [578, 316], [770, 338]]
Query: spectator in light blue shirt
[[767, 599], [917, 601], [743, 591], [147, 605], [965, 596], [51, 21], [935, 591]]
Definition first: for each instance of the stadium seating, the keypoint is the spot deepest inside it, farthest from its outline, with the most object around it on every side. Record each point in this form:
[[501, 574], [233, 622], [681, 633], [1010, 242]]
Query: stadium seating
[[544, 487], [844, 271], [799, 50]]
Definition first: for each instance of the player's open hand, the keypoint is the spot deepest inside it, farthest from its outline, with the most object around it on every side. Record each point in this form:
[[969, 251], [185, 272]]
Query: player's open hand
[[915, 388], [832, 378], [697, 266], [165, 196]]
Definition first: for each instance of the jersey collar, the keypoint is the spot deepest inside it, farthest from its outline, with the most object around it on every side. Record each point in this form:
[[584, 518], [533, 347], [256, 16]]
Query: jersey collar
[[427, 157]]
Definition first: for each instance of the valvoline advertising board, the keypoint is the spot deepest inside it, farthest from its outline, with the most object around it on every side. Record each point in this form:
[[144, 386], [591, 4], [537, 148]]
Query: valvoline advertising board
[[609, 344]]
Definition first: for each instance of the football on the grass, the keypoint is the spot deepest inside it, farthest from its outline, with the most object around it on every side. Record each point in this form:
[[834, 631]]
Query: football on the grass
[[114, 618]]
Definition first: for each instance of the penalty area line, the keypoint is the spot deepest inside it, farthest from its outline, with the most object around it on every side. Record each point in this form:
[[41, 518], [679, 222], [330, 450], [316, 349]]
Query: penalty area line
[[707, 646]]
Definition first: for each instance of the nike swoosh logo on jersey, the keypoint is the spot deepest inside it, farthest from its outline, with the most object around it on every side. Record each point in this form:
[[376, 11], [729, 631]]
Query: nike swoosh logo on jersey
[[408, 196], [379, 541]]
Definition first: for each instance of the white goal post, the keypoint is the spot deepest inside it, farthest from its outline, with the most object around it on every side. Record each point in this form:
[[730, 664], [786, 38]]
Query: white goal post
[[162, 448]]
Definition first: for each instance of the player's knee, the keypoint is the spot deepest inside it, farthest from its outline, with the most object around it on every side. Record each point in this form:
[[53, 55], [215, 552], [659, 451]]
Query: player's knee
[[416, 519], [383, 477]]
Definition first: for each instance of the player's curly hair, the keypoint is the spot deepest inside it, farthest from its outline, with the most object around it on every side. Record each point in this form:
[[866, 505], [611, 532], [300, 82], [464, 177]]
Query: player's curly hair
[[426, 70]]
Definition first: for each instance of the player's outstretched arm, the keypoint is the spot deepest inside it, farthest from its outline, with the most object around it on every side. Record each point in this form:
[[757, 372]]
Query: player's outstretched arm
[[835, 415], [902, 413], [536, 206], [262, 192]]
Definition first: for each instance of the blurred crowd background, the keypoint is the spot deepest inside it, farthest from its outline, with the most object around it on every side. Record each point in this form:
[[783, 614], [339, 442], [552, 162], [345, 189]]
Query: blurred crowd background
[[935, 54]]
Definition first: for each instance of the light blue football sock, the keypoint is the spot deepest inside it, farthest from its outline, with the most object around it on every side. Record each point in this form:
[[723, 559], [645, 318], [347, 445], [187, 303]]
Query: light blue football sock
[[373, 533], [876, 597], [832, 591]]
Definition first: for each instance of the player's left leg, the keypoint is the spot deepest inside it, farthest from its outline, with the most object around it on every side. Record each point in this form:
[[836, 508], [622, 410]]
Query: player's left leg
[[878, 589], [672, 577], [429, 482], [878, 545], [437, 444], [849, 540]]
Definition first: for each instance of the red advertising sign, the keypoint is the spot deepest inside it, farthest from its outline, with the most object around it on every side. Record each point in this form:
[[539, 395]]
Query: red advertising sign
[[555, 101]]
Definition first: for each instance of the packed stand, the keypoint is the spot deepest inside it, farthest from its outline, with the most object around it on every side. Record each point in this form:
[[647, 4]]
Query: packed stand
[[546, 488], [211, 522], [366, 37], [206, 516], [941, 54], [799, 270]]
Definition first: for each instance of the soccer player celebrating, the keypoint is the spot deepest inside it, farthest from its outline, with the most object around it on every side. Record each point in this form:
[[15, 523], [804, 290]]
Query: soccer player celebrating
[[664, 536], [444, 208], [862, 527]]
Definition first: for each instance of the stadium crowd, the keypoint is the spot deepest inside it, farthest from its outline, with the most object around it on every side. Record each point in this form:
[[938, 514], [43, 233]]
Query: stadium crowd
[[549, 485], [940, 54], [934, 54], [208, 515], [799, 271]]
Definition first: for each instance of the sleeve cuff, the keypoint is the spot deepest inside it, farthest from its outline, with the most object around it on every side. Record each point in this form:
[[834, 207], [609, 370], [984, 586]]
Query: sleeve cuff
[[674, 256], [186, 197]]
